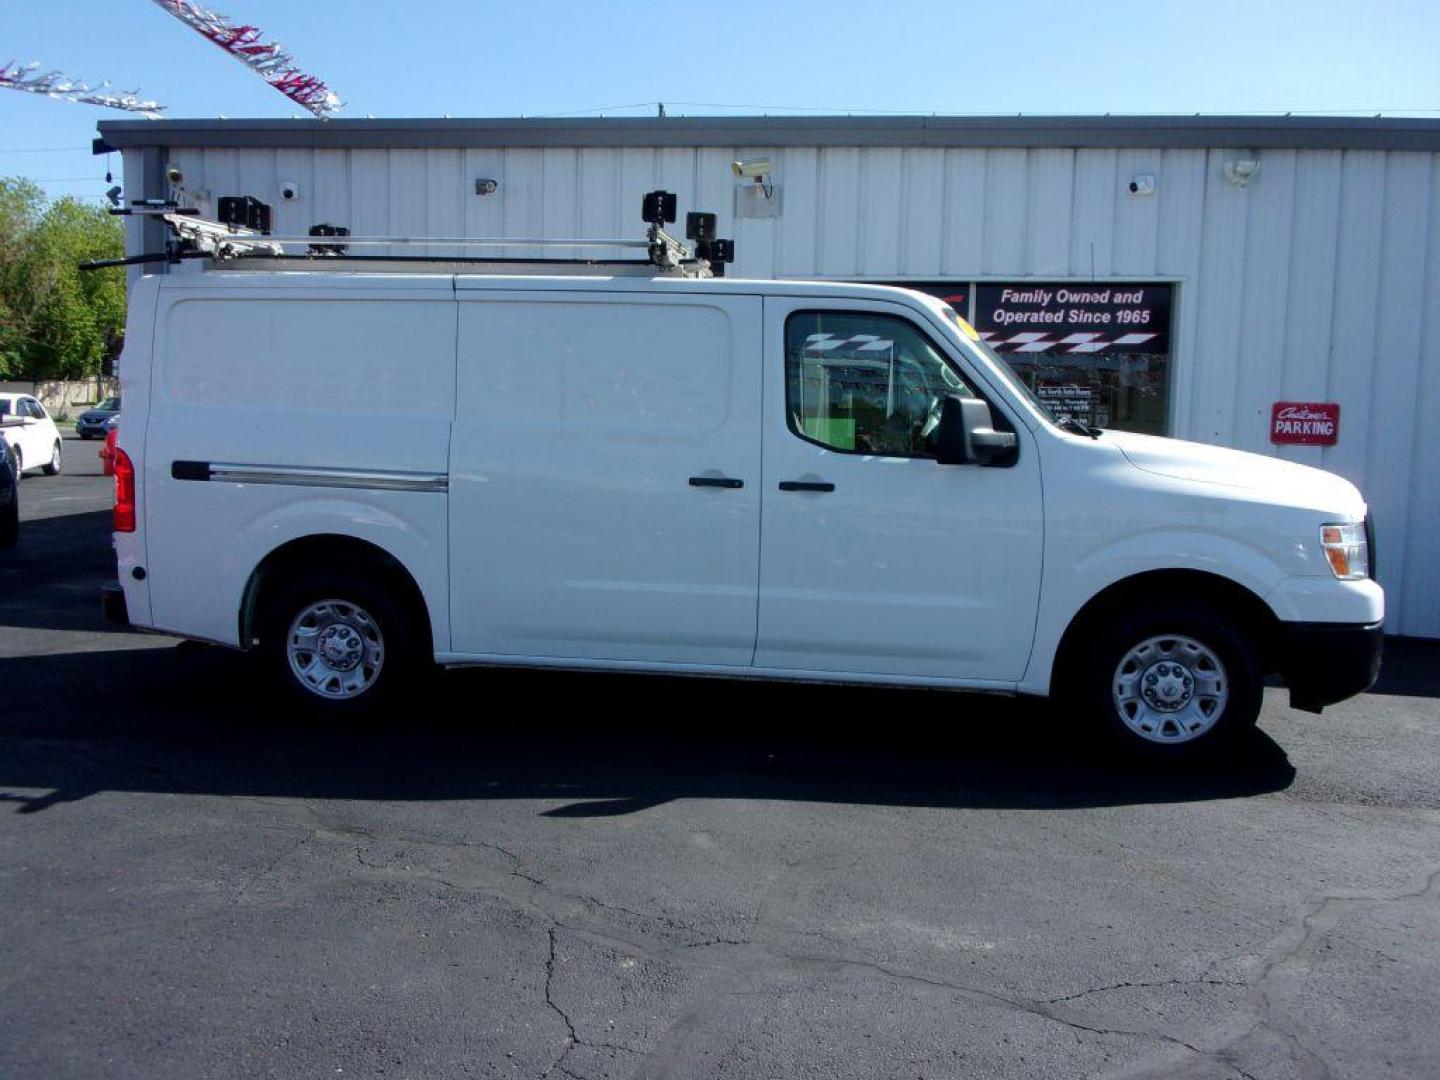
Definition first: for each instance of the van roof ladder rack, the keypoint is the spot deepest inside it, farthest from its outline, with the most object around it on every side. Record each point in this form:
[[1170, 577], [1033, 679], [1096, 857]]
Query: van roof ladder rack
[[237, 246]]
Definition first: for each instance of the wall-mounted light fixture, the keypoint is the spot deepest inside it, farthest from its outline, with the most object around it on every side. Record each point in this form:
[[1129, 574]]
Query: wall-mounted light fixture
[[1241, 171], [486, 186]]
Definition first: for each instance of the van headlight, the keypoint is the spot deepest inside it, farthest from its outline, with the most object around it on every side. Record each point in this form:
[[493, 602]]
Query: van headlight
[[1347, 550]]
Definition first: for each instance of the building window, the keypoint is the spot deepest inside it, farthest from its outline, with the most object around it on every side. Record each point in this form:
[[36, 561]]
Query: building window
[[1096, 351]]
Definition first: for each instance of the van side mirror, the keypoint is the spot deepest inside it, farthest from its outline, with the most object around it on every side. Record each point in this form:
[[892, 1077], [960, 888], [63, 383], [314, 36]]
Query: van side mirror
[[966, 434]]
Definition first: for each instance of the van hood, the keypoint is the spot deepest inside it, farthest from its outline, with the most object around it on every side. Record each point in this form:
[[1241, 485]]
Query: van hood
[[1283, 483]]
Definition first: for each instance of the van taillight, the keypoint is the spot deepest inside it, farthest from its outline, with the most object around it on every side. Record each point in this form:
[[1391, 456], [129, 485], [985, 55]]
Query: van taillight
[[107, 454], [124, 492]]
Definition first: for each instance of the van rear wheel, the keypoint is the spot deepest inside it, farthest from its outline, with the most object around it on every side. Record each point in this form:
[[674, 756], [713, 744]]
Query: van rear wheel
[[1172, 682], [338, 641], [53, 469]]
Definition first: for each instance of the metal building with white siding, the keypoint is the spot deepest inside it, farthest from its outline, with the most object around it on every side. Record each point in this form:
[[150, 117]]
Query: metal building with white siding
[[1184, 275]]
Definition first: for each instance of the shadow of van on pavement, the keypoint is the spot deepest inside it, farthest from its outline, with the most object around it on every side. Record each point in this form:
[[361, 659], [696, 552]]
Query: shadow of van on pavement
[[195, 719], [1411, 668], [51, 579]]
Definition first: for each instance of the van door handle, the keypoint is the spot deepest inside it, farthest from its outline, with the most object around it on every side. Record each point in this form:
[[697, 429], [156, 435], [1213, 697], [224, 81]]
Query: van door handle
[[806, 485], [716, 481]]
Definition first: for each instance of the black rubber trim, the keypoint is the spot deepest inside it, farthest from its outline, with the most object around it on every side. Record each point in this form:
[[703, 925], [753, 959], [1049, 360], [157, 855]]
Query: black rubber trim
[[1370, 546], [112, 603], [190, 470], [1328, 662]]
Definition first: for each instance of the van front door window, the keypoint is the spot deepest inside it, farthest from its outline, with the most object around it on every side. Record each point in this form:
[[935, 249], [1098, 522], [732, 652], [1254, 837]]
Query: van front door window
[[865, 383]]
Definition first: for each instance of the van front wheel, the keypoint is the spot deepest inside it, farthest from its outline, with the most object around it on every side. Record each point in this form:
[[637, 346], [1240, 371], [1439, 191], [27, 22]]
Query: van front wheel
[[337, 641], [1173, 682]]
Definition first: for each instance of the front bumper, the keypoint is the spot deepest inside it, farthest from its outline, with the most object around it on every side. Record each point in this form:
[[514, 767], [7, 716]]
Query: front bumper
[[1323, 663], [112, 603]]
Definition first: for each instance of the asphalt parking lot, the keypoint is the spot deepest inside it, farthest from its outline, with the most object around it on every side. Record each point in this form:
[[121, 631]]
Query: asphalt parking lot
[[546, 874]]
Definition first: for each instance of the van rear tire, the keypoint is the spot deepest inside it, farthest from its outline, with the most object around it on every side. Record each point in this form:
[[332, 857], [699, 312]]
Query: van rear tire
[[338, 642], [1176, 682], [53, 468]]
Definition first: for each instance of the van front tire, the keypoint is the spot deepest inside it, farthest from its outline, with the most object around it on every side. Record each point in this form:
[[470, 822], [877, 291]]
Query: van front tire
[[338, 642], [1174, 682]]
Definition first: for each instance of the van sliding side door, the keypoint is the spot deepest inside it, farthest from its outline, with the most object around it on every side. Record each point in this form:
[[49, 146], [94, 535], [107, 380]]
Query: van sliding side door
[[605, 475]]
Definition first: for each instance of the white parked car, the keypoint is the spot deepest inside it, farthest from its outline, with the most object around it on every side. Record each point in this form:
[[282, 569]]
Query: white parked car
[[359, 473], [33, 436]]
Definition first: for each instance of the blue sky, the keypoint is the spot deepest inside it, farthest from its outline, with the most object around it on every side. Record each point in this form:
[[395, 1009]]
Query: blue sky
[[541, 57]]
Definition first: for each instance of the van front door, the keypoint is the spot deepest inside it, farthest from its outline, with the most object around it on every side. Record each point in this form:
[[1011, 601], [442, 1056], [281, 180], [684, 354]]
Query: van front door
[[875, 559], [605, 476]]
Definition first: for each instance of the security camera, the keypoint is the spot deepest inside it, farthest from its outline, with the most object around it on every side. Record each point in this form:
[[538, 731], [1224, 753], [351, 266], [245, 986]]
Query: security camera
[[289, 190], [756, 169], [1143, 184], [174, 175]]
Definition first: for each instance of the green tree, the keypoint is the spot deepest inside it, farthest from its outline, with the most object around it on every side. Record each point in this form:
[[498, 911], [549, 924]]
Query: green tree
[[21, 204], [55, 321]]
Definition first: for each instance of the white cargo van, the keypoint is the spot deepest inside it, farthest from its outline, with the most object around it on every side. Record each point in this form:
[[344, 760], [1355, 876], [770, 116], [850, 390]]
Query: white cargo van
[[361, 472]]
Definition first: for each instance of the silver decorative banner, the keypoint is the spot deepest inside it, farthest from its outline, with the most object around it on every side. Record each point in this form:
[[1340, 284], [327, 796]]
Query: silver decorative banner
[[266, 58], [53, 84]]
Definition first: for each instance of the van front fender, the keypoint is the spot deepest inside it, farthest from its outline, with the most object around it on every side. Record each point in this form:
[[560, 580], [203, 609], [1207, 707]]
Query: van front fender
[[1071, 583]]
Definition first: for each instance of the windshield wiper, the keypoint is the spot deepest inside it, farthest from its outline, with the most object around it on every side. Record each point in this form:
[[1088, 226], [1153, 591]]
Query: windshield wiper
[[1079, 427]]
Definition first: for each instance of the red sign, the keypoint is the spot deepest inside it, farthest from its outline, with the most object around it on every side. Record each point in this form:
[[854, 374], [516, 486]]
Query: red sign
[[1308, 423]]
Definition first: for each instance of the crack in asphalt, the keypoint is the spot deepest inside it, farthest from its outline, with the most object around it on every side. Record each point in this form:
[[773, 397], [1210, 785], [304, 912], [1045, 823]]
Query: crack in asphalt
[[1289, 959], [1285, 961], [573, 1038], [270, 867], [1142, 986]]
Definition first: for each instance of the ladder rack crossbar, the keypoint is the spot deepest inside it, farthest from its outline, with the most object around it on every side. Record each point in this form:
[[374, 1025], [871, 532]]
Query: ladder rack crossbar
[[227, 241], [436, 241]]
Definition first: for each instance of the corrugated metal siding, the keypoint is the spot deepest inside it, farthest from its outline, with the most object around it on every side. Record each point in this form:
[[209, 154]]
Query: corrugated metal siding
[[1316, 282]]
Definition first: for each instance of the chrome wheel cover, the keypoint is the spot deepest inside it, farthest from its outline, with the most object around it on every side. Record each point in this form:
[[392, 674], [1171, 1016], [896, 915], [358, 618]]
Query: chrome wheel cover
[[1170, 689], [335, 649]]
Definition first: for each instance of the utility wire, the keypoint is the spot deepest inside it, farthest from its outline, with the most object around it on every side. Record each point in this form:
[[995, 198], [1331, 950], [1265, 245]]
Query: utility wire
[[833, 110]]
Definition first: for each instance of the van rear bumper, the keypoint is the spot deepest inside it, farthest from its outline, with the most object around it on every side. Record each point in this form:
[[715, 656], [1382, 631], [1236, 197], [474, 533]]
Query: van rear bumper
[[112, 603], [1323, 663]]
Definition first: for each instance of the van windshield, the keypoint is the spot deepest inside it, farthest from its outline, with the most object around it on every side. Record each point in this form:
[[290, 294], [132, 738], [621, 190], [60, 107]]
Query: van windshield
[[1064, 423], [1015, 383]]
